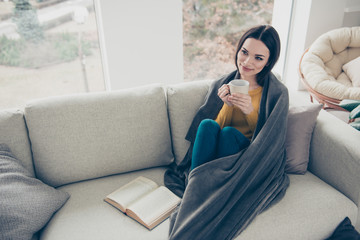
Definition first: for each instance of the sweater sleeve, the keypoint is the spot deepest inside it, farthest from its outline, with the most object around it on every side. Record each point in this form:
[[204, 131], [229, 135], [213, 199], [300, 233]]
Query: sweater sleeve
[[224, 116]]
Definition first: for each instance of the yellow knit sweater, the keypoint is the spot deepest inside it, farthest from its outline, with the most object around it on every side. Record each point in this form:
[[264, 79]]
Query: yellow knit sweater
[[234, 117]]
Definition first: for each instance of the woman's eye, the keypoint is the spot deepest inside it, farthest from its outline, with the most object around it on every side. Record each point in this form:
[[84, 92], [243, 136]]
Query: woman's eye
[[244, 52], [259, 58]]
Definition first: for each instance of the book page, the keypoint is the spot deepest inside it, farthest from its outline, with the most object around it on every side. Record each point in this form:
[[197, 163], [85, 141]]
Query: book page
[[155, 206], [131, 192]]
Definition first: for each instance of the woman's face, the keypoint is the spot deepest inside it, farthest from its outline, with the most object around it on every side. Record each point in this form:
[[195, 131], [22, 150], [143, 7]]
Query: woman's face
[[252, 58]]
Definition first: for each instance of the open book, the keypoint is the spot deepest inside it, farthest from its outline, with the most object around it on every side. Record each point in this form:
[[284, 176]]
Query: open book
[[145, 201]]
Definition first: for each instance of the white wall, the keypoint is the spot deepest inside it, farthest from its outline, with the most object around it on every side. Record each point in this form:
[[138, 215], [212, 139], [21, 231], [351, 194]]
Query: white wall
[[141, 41], [352, 13], [325, 15]]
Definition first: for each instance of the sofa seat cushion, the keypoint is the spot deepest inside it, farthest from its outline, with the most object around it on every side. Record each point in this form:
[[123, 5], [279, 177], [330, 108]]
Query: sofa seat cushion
[[87, 216], [310, 209], [85, 136]]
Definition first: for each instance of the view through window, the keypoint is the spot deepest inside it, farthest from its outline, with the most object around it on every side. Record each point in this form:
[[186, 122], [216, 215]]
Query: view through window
[[47, 48], [51, 47], [211, 30]]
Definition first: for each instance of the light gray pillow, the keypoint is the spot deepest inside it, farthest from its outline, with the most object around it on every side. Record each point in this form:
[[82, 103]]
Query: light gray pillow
[[301, 123], [26, 203]]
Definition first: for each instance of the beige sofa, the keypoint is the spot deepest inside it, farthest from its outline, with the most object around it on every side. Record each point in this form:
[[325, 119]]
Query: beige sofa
[[88, 145]]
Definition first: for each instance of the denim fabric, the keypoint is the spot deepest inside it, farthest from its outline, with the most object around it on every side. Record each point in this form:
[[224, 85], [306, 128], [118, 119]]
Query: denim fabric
[[212, 142]]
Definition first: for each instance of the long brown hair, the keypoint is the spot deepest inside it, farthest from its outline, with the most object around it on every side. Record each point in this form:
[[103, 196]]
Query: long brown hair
[[269, 36]]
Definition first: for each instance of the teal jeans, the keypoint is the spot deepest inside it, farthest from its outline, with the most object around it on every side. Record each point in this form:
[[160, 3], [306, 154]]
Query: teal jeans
[[212, 142]]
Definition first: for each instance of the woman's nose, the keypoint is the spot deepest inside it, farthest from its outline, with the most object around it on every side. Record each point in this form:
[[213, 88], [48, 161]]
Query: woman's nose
[[247, 60]]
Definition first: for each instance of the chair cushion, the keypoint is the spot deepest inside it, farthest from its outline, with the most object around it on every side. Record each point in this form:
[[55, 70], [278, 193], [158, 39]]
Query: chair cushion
[[322, 64], [92, 135], [352, 69]]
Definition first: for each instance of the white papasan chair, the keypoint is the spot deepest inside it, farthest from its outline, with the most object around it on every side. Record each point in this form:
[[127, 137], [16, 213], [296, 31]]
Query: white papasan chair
[[330, 68]]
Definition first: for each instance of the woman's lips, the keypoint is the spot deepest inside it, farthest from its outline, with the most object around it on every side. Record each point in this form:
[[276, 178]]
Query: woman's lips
[[246, 69]]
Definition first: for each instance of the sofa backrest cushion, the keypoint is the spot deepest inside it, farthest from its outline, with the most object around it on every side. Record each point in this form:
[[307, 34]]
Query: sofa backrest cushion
[[183, 102], [93, 135], [14, 134]]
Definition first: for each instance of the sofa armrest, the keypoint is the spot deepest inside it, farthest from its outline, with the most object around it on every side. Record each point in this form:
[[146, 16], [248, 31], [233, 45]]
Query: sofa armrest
[[335, 155]]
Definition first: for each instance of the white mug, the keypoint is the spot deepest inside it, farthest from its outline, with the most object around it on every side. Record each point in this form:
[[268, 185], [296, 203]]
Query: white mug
[[239, 86]]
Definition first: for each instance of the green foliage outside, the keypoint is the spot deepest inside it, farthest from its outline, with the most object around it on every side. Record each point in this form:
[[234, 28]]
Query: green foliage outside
[[67, 46], [25, 17], [35, 49], [10, 51], [211, 30], [51, 50], [211, 18]]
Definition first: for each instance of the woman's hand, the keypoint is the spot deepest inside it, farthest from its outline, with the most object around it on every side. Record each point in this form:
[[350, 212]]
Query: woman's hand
[[241, 101], [224, 94]]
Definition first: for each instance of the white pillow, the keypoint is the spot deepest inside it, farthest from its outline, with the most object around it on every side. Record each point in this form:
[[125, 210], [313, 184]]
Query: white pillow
[[352, 71]]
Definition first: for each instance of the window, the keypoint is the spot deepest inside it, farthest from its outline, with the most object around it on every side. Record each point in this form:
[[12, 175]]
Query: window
[[47, 48], [211, 30], [50, 48], [162, 41]]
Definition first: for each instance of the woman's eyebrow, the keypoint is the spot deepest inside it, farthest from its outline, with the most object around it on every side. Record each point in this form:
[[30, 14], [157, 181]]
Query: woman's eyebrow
[[257, 55]]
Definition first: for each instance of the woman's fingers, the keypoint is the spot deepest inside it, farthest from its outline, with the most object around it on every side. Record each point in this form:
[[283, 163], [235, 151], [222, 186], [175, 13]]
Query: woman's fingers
[[223, 90], [240, 97], [242, 101], [224, 93]]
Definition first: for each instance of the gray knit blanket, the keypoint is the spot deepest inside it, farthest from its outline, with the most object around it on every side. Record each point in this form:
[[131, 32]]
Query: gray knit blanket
[[221, 198]]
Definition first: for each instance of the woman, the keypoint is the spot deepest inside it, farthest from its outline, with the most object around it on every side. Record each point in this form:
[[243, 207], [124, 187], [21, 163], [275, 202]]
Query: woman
[[257, 52], [234, 168]]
